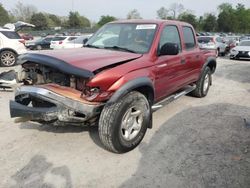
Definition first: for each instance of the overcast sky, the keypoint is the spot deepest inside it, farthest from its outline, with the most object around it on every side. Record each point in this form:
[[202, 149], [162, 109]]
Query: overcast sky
[[93, 9]]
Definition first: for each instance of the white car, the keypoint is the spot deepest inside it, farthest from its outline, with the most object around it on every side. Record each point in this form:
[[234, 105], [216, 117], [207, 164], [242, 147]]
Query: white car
[[62, 42], [11, 45], [242, 51]]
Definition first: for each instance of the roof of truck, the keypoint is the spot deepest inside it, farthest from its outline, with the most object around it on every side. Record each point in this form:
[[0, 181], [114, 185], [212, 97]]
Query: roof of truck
[[157, 21]]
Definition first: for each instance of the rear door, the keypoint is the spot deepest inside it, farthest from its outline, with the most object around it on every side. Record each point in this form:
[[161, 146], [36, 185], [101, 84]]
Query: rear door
[[191, 56], [169, 68]]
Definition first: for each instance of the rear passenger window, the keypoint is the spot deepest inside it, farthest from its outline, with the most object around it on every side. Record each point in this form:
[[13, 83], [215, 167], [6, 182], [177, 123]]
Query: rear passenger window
[[170, 34], [189, 39], [11, 34]]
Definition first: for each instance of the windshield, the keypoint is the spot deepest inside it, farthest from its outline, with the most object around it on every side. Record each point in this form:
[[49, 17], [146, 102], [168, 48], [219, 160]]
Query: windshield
[[124, 36], [245, 43]]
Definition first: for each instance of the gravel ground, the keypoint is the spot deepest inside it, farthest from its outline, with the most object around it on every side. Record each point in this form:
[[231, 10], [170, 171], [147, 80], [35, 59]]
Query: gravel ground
[[193, 143]]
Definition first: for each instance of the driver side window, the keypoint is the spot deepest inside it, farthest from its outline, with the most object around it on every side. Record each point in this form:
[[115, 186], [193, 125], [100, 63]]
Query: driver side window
[[170, 34]]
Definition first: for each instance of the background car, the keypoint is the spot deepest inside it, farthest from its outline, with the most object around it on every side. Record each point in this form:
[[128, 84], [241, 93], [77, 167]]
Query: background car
[[11, 45], [40, 44], [60, 41], [242, 51], [213, 42], [78, 42], [27, 37]]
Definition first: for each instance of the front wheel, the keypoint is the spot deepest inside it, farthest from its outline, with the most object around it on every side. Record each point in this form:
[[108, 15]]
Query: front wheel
[[7, 58], [203, 84], [122, 125]]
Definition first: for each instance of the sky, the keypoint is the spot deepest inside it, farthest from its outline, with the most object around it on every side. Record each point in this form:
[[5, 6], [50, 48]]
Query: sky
[[94, 9]]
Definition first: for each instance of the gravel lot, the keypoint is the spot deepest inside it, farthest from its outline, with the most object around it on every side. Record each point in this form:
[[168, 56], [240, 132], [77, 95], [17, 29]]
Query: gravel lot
[[193, 143]]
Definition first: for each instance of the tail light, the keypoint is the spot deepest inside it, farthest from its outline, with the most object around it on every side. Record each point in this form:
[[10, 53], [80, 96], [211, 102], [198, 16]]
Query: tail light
[[60, 42]]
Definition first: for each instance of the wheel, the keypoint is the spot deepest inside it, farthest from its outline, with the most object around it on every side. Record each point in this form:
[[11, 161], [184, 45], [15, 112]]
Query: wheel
[[7, 58], [122, 125], [39, 47], [203, 84]]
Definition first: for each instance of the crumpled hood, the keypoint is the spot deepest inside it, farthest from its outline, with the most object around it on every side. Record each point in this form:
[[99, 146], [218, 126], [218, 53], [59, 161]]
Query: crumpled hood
[[90, 59]]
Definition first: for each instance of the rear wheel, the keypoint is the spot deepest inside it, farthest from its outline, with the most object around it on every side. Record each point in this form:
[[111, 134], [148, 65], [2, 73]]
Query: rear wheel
[[203, 84], [7, 58], [122, 125]]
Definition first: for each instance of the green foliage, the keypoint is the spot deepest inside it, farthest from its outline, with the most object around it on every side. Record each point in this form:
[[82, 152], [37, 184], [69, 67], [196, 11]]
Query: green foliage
[[105, 19], [55, 19], [209, 22], [40, 21], [189, 18], [77, 21], [162, 13], [134, 14], [4, 16]]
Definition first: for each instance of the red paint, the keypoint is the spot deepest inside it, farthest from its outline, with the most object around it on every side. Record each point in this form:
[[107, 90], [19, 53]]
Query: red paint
[[166, 79]]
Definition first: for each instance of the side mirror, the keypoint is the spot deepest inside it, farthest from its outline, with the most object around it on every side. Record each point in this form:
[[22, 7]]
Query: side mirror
[[85, 40], [169, 49]]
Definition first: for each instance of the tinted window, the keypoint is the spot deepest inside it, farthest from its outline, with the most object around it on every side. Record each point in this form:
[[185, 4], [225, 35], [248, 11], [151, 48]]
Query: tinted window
[[189, 39], [205, 39], [170, 34], [11, 34], [72, 38], [58, 38]]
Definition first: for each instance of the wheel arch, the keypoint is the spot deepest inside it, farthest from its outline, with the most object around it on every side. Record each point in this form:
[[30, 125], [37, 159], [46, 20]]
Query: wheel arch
[[211, 63], [8, 49]]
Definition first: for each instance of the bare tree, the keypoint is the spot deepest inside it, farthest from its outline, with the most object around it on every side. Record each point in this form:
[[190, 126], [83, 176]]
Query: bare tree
[[162, 13], [23, 12], [176, 9], [134, 14]]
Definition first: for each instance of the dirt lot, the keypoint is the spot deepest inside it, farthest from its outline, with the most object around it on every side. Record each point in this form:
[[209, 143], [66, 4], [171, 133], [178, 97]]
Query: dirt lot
[[193, 143]]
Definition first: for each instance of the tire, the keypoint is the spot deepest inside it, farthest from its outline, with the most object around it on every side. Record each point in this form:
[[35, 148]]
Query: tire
[[203, 84], [217, 52], [39, 47], [8, 58], [122, 125]]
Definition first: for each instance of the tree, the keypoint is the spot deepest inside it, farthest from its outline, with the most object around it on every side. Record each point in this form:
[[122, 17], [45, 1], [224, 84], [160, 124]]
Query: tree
[[39, 20], [176, 9], [189, 18], [162, 13], [227, 20], [23, 12], [77, 21], [56, 20], [134, 14], [209, 22], [105, 19], [3, 15]]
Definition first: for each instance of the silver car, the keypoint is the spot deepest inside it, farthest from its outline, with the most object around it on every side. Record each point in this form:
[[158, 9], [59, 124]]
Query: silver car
[[213, 43]]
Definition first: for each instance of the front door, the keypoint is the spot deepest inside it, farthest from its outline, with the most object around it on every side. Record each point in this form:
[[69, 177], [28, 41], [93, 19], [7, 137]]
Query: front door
[[169, 69]]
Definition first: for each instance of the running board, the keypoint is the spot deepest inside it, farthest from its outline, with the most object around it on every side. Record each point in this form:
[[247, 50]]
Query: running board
[[173, 97]]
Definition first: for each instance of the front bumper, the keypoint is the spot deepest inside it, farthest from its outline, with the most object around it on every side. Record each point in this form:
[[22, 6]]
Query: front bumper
[[56, 108]]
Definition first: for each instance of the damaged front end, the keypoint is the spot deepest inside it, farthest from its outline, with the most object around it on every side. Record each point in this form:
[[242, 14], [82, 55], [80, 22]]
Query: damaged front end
[[54, 92]]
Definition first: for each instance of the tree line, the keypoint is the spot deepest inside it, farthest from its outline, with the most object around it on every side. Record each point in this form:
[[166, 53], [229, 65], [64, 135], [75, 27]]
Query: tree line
[[227, 19]]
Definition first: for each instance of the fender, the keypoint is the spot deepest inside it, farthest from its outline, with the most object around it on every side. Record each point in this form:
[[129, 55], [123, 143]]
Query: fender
[[130, 86], [210, 62], [10, 49]]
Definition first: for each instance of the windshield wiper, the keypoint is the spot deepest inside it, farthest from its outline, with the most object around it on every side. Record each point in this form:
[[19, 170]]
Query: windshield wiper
[[120, 48], [90, 46]]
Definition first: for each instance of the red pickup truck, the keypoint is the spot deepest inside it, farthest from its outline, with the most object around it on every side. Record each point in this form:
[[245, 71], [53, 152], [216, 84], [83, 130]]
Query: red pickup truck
[[124, 72]]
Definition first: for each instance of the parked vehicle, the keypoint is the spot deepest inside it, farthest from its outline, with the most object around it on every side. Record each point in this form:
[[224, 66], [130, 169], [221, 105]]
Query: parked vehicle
[[27, 37], [242, 51], [78, 42], [40, 44], [11, 45], [127, 70], [60, 42], [213, 42]]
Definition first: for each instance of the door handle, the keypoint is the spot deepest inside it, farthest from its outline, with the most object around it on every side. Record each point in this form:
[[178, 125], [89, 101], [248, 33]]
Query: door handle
[[183, 61], [162, 65]]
